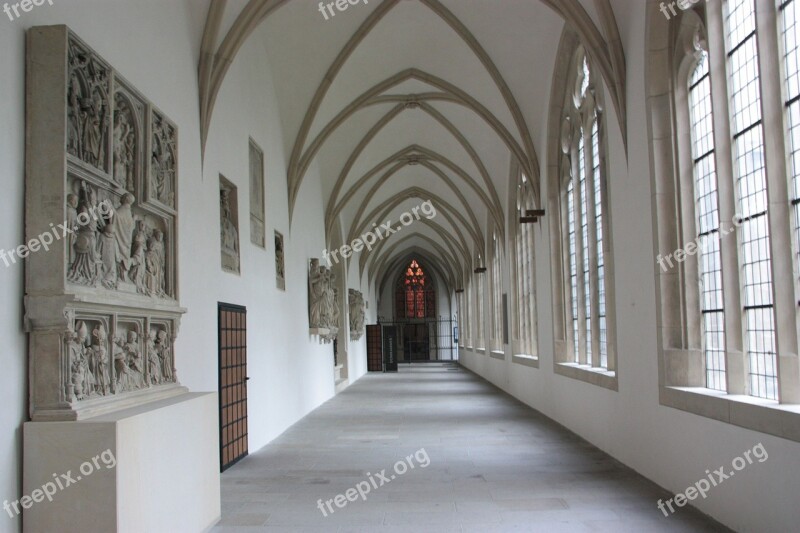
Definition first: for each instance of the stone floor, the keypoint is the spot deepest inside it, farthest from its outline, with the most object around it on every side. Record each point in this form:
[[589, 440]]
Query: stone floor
[[493, 464]]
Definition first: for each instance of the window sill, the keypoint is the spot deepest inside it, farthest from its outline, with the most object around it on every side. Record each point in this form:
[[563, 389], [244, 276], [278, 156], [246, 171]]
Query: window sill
[[498, 355], [526, 360], [757, 414], [481, 351], [596, 376]]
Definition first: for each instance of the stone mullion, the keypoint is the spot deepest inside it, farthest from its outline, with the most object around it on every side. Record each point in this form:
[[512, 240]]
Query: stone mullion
[[579, 277], [736, 359], [531, 293]]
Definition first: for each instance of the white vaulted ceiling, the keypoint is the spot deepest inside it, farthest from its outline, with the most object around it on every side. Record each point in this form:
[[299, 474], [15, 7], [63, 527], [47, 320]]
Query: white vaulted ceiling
[[402, 101]]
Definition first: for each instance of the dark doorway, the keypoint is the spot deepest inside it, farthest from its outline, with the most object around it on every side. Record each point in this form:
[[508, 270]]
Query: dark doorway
[[374, 349]]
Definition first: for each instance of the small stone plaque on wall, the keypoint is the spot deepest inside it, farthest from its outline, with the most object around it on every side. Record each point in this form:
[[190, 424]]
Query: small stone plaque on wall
[[280, 265], [257, 205], [229, 225]]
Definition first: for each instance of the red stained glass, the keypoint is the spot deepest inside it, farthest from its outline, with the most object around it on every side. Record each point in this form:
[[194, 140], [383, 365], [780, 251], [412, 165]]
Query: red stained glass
[[415, 299]]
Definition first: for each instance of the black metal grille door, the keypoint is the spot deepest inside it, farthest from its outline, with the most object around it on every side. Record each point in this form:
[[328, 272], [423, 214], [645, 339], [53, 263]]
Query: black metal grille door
[[426, 340], [374, 349], [232, 384]]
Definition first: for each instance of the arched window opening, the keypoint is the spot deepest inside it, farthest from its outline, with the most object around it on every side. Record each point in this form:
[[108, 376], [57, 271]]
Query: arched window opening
[[415, 296], [583, 193], [707, 223]]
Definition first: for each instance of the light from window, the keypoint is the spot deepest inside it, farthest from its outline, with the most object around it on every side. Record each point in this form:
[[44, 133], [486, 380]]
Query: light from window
[[791, 47], [708, 227], [573, 269], [748, 141], [587, 286], [601, 266]]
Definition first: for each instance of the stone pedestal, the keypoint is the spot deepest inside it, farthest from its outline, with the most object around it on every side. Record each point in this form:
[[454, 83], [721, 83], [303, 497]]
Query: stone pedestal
[[159, 472]]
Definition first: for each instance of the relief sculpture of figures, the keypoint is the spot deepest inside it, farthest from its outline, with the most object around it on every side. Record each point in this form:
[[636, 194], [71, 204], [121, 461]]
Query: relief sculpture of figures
[[138, 269], [99, 361], [357, 311], [165, 354], [128, 363], [229, 235], [81, 381], [95, 125], [162, 169], [154, 363], [72, 222], [323, 312], [124, 225], [108, 251], [316, 290], [75, 116], [88, 108], [85, 268], [101, 300], [328, 299], [124, 145], [332, 305], [154, 264]]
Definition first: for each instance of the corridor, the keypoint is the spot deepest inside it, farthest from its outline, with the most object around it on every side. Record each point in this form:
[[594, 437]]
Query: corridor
[[493, 464]]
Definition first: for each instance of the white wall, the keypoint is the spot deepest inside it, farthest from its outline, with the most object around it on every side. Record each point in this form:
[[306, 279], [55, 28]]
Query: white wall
[[671, 447]]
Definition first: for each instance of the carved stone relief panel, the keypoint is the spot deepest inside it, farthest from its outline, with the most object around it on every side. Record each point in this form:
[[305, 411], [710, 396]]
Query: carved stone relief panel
[[280, 265], [163, 160], [116, 244], [128, 138], [323, 302], [229, 225], [105, 357], [161, 363], [88, 107], [130, 369], [88, 373], [357, 311], [257, 202], [101, 298]]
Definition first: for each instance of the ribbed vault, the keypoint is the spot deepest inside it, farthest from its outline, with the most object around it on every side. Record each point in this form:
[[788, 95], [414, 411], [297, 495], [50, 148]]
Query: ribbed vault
[[401, 102]]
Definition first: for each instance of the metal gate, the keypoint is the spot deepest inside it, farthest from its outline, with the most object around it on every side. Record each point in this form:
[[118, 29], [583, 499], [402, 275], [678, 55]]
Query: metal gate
[[426, 340], [232, 384]]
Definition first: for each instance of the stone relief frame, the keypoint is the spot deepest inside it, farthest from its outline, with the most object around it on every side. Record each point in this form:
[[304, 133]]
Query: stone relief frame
[[89, 134], [229, 226], [280, 261]]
